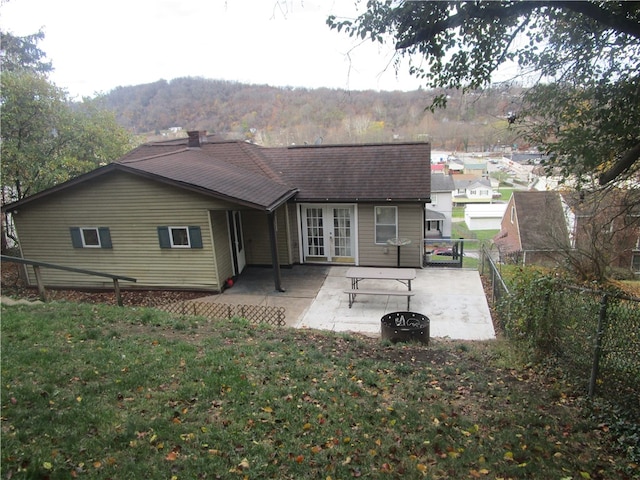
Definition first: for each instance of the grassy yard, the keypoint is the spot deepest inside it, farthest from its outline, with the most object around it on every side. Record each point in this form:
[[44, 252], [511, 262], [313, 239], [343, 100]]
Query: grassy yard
[[90, 391]]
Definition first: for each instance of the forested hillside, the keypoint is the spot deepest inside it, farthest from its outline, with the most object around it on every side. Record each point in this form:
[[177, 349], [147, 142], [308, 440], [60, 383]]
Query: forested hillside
[[273, 116]]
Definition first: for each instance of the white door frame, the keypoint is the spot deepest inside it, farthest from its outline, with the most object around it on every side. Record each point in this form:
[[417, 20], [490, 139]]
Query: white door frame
[[325, 242], [236, 240]]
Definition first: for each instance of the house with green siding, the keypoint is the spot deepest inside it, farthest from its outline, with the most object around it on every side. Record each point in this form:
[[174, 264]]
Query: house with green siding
[[193, 212]]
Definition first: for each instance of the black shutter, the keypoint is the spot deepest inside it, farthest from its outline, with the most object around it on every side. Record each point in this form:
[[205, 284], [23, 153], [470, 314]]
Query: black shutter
[[105, 237], [195, 237], [76, 237], [163, 237]]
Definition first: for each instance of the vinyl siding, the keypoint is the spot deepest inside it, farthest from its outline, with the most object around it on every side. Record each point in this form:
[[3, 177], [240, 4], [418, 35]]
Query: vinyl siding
[[221, 240], [132, 208], [410, 225], [257, 240], [294, 234]]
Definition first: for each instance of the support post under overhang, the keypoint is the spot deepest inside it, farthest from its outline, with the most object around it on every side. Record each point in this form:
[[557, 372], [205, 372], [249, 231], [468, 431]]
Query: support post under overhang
[[271, 217]]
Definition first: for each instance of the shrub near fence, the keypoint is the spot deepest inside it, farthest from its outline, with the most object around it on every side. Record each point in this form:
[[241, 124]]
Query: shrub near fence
[[594, 335]]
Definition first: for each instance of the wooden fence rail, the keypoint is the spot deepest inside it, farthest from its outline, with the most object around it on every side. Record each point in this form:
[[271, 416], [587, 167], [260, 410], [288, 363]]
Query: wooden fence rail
[[41, 290]]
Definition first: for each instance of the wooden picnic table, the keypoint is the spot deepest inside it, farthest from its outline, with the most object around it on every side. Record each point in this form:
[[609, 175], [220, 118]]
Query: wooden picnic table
[[402, 275]]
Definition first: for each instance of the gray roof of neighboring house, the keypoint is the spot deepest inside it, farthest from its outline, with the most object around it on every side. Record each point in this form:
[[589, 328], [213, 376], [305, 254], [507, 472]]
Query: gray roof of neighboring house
[[465, 181], [433, 215], [441, 183], [264, 178]]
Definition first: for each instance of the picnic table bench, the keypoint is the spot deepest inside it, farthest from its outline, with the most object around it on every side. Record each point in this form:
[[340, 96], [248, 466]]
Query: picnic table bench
[[402, 275]]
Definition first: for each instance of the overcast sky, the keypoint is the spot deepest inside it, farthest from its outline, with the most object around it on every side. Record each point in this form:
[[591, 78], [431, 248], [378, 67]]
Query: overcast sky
[[97, 45]]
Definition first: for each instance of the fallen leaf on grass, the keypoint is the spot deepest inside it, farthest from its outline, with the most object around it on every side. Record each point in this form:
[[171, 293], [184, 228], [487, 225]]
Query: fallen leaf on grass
[[478, 473], [171, 456]]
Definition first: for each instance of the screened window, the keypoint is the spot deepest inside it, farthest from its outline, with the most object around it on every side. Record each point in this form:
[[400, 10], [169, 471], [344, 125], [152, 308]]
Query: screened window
[[90, 237], [180, 237], [386, 223]]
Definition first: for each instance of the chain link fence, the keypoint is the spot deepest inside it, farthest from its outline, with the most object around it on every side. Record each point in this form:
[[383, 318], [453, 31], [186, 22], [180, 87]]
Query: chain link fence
[[594, 334]]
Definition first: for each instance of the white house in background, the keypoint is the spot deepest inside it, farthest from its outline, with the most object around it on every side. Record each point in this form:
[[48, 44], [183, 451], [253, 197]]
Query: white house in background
[[484, 216], [471, 189], [438, 213]]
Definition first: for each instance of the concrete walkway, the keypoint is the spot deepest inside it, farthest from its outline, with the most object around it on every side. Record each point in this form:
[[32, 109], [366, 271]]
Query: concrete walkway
[[453, 300]]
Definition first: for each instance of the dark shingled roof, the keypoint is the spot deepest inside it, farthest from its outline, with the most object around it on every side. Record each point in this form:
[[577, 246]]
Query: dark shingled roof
[[264, 178], [541, 220], [230, 170], [368, 172]]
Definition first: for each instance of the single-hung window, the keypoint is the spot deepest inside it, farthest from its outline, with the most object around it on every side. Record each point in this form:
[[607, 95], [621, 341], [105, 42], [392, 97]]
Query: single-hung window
[[180, 237], [386, 219], [90, 237]]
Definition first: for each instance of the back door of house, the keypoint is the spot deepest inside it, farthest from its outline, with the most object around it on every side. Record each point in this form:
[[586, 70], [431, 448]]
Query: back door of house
[[328, 233], [237, 241]]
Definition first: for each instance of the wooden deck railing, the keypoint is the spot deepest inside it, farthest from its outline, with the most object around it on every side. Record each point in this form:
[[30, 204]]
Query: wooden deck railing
[[41, 290]]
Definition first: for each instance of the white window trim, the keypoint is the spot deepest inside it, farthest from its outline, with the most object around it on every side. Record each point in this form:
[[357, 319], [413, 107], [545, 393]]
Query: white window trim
[[84, 243], [173, 245], [375, 223]]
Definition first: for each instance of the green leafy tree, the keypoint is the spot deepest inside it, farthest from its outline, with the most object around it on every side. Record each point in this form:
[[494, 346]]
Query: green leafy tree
[[22, 53], [585, 109], [45, 138]]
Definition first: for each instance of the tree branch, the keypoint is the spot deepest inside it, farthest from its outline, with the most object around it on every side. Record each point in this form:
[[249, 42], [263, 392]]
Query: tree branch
[[622, 165], [618, 22], [467, 11]]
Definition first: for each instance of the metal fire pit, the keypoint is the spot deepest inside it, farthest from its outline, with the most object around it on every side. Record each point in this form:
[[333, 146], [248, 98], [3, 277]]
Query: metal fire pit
[[405, 327]]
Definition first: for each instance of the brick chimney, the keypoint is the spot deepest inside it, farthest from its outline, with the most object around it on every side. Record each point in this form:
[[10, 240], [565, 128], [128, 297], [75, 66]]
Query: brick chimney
[[197, 138]]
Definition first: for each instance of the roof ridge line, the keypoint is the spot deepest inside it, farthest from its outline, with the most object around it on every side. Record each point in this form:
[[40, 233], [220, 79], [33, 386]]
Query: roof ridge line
[[262, 162], [151, 157]]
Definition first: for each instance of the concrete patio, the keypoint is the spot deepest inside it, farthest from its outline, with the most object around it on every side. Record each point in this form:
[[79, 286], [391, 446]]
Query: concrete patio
[[453, 300]]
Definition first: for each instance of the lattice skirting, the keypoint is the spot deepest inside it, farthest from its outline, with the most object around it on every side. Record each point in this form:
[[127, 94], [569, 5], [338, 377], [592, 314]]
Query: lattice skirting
[[252, 313]]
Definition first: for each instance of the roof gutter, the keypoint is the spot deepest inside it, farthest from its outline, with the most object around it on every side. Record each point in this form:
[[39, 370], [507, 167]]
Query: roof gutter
[[282, 200]]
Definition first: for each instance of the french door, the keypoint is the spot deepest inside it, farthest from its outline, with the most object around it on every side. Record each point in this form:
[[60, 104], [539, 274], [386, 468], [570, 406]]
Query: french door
[[328, 233]]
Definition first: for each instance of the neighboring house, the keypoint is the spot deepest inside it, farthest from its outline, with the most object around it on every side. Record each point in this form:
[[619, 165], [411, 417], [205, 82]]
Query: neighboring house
[[484, 216], [453, 167], [439, 212], [191, 213], [596, 231], [475, 168], [471, 189], [533, 229]]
